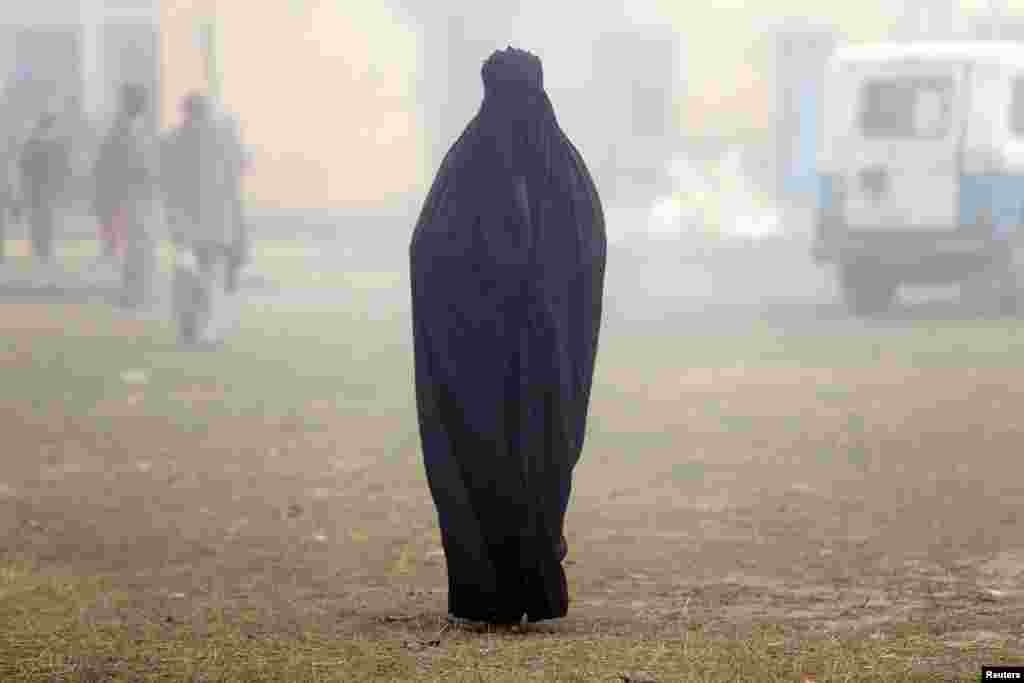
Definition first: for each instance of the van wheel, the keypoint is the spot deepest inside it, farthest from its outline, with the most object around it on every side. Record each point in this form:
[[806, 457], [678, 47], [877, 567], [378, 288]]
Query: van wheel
[[1010, 305], [866, 291], [991, 295]]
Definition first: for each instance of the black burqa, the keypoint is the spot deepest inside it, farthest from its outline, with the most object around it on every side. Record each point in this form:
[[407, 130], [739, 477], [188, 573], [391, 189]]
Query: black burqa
[[507, 261]]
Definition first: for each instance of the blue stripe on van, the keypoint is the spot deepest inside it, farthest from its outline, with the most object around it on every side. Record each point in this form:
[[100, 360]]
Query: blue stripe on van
[[826, 196], [1002, 195], [801, 178]]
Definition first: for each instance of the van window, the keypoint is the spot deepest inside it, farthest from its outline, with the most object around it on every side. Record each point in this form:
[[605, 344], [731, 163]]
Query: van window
[[1017, 107], [906, 107]]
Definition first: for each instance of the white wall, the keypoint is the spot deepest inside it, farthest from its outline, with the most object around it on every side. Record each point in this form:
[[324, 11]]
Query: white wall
[[40, 12], [104, 21], [99, 71], [147, 11]]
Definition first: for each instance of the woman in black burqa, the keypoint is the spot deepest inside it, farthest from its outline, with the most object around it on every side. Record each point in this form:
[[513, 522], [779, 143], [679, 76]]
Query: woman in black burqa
[[508, 260]]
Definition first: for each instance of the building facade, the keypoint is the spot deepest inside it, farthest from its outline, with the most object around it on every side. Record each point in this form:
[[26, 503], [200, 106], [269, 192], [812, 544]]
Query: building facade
[[323, 92], [60, 55]]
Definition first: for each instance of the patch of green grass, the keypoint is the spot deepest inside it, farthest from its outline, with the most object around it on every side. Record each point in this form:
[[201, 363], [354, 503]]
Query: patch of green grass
[[737, 424], [856, 436], [830, 393], [278, 365], [286, 263], [641, 448], [47, 632], [855, 424], [795, 423], [688, 471], [857, 456]]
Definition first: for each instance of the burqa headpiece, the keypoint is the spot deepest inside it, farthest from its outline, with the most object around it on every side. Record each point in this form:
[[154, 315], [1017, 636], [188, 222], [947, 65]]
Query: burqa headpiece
[[516, 116], [511, 70]]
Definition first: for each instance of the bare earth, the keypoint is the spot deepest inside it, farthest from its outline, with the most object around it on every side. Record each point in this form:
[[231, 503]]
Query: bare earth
[[683, 513]]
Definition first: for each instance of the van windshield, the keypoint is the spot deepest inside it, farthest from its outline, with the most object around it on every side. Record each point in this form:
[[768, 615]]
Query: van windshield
[[909, 107]]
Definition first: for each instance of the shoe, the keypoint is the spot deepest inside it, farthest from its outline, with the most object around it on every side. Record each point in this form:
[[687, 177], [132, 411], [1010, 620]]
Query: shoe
[[104, 266], [199, 344], [208, 345], [210, 338], [129, 305], [48, 275], [134, 309], [462, 622]]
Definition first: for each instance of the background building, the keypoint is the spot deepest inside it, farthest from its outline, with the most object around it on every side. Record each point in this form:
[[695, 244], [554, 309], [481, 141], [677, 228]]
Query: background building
[[71, 55], [347, 103], [325, 92]]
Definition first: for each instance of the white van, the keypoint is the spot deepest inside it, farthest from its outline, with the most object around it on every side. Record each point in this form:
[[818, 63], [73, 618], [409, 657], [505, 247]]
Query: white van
[[921, 160]]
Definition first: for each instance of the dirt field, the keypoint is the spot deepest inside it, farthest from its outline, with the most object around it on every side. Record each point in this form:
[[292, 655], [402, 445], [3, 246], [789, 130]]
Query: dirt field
[[827, 484]]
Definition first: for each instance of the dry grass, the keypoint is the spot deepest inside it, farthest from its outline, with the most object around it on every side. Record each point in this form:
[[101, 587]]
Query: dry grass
[[45, 637]]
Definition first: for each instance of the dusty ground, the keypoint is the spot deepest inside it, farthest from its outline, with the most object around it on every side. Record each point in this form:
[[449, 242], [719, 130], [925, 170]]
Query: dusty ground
[[822, 482], [826, 500]]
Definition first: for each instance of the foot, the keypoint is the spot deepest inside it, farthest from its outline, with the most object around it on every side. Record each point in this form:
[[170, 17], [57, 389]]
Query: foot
[[463, 622], [49, 275], [199, 342], [129, 304], [135, 309], [105, 264], [208, 344], [210, 337]]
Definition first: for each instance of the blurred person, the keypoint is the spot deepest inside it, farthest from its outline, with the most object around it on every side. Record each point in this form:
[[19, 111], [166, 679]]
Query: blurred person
[[111, 226], [10, 206], [45, 167], [83, 138], [199, 168], [107, 207], [507, 262], [126, 176], [237, 167]]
